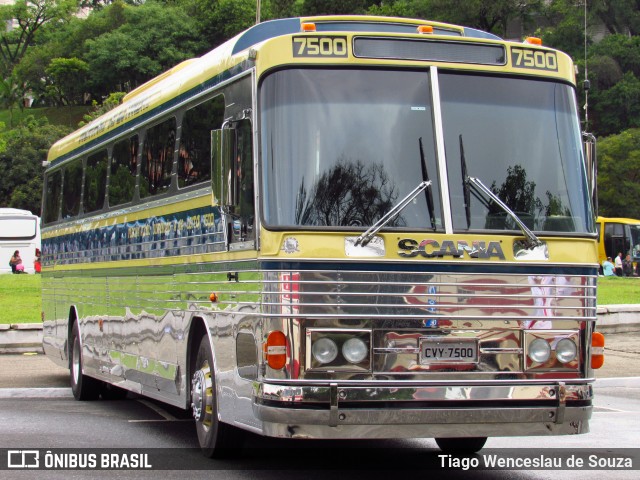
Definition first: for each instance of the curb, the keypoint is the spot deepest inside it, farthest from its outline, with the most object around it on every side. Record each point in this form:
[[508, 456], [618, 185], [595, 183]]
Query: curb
[[618, 318], [27, 337], [21, 338]]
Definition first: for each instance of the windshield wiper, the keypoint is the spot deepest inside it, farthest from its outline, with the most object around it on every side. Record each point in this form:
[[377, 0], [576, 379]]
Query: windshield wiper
[[531, 240], [391, 214], [465, 185], [429, 192]]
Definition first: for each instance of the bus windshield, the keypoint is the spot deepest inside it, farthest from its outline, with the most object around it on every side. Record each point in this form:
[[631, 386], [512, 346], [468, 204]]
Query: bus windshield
[[341, 147], [522, 139]]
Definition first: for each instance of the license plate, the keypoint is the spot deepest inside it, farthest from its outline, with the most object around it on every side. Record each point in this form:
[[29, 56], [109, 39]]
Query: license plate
[[450, 350]]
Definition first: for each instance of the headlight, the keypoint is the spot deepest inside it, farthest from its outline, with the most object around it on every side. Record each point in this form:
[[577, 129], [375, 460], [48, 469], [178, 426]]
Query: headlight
[[354, 350], [539, 350], [566, 350], [324, 350]]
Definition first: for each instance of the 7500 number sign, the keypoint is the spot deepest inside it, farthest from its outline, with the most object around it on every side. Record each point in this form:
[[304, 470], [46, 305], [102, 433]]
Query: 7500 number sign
[[536, 59], [326, 46]]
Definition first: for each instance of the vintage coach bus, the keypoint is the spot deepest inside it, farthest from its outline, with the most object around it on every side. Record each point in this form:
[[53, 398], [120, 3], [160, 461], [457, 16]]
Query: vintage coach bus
[[334, 227]]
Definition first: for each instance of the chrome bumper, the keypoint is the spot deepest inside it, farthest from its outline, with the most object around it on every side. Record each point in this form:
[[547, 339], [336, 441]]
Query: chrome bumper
[[332, 411]]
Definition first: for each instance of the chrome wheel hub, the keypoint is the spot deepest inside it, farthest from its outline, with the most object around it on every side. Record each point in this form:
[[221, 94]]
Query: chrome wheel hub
[[197, 394], [75, 362], [202, 395]]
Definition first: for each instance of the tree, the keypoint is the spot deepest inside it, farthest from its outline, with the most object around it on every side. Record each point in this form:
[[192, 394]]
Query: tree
[[11, 95], [619, 174], [219, 20], [616, 108], [69, 77], [64, 40], [30, 16], [336, 7], [488, 15], [21, 155], [154, 38], [619, 16]]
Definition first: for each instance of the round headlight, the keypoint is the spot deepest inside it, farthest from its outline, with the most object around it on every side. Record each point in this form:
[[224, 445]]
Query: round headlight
[[539, 350], [324, 350], [566, 350], [354, 350]]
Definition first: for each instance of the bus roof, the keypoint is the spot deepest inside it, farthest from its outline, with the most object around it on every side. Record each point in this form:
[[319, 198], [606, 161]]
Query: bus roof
[[229, 59], [629, 221], [16, 212]]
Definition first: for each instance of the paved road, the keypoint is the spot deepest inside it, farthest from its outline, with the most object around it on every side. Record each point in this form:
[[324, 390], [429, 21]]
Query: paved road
[[37, 410]]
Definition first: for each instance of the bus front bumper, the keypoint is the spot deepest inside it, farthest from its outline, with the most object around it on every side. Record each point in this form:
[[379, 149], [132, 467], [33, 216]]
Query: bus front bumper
[[421, 411]]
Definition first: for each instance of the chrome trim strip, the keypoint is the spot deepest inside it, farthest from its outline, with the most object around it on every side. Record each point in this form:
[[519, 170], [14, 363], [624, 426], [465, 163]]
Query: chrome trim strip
[[441, 160], [580, 382], [557, 393], [424, 417]]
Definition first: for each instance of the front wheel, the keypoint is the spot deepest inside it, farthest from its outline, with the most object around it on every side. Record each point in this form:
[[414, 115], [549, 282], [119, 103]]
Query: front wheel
[[82, 386], [217, 439], [461, 445]]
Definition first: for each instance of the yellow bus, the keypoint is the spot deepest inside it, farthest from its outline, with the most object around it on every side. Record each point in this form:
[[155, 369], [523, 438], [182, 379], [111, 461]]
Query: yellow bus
[[619, 235], [333, 227]]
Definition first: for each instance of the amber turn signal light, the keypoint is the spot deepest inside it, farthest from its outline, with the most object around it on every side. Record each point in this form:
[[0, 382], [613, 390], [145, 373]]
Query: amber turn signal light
[[425, 29], [597, 350], [275, 350]]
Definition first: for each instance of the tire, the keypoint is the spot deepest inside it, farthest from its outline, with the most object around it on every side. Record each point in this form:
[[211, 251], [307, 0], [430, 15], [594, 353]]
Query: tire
[[82, 386], [461, 445], [216, 439]]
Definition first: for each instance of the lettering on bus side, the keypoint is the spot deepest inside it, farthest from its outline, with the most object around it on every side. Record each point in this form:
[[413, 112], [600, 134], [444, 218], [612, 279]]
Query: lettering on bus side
[[320, 46], [535, 59], [450, 248]]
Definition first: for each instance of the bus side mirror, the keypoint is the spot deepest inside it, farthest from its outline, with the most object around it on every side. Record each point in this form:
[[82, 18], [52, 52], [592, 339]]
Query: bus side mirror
[[591, 165], [225, 182]]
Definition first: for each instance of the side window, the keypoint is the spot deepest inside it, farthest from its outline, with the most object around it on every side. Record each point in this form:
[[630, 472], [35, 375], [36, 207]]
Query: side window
[[52, 196], [194, 155], [157, 158], [124, 167], [244, 170], [95, 180], [72, 188]]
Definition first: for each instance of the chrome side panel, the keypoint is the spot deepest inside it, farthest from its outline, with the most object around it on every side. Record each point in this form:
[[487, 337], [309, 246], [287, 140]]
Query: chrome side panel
[[135, 326]]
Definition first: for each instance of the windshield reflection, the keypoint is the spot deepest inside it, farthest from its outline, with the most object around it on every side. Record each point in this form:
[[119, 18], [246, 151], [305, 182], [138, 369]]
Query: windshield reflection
[[340, 147], [522, 139], [348, 194]]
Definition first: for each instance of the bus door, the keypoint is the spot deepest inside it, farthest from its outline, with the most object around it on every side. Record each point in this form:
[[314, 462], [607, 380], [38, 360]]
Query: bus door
[[616, 240]]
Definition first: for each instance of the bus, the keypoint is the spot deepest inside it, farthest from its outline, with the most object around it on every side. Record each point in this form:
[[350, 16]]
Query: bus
[[619, 235], [19, 230], [334, 227]]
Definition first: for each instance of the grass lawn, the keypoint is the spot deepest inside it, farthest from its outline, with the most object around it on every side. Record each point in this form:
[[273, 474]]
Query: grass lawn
[[618, 290], [20, 296], [20, 300]]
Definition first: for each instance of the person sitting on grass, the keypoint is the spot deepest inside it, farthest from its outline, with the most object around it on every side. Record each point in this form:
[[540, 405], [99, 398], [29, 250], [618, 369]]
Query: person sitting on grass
[[16, 263], [607, 268]]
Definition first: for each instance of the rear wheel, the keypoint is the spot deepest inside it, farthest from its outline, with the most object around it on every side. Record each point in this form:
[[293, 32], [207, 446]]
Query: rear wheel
[[217, 439], [461, 445], [82, 386]]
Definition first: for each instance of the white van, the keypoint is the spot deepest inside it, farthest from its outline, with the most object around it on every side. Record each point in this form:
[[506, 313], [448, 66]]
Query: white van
[[19, 230]]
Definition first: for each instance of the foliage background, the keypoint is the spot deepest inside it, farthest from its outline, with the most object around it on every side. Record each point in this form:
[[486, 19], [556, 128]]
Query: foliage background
[[67, 59]]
